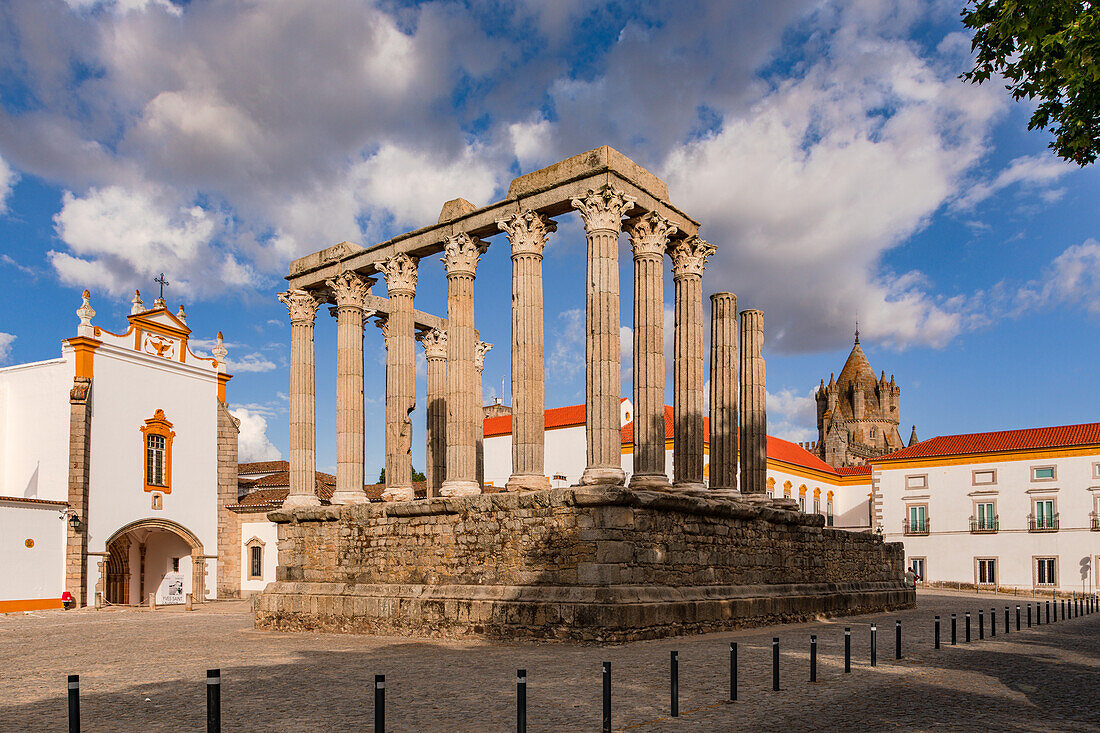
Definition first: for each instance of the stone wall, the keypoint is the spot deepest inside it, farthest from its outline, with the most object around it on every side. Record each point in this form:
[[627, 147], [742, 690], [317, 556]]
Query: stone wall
[[589, 563]]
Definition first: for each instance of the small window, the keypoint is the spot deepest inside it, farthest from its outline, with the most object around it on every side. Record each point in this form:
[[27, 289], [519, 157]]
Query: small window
[[1046, 571], [802, 503], [1042, 473], [175, 564], [874, 433], [917, 563], [829, 512], [987, 571], [256, 561], [916, 482], [158, 501], [817, 504], [1096, 470], [984, 478], [154, 460]]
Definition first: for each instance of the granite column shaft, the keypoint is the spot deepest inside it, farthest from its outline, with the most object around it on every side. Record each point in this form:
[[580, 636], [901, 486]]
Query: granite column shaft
[[302, 307], [723, 391], [754, 418]]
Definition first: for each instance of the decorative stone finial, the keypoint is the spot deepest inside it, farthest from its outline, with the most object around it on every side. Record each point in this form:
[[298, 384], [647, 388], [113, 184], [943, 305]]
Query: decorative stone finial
[[400, 272], [136, 306], [527, 231], [480, 350], [689, 256], [219, 351], [461, 253], [180, 314], [603, 208], [86, 313]]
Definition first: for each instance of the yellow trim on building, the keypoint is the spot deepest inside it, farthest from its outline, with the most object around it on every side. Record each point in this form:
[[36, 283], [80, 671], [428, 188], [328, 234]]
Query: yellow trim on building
[[84, 350], [30, 604], [991, 457]]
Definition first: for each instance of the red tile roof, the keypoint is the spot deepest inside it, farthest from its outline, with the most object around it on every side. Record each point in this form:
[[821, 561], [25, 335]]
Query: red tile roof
[[854, 470], [1062, 436], [785, 450]]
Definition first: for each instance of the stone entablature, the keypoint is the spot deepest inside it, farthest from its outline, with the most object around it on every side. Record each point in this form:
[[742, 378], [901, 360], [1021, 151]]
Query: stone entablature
[[590, 564]]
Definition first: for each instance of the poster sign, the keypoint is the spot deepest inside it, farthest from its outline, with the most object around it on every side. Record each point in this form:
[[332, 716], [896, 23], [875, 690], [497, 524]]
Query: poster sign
[[171, 589]]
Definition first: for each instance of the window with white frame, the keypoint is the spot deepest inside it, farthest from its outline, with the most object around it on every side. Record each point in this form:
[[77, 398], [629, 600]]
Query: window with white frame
[[256, 561], [817, 504], [987, 571], [984, 513], [1044, 514], [918, 519], [1096, 470], [829, 511], [1046, 571], [917, 563]]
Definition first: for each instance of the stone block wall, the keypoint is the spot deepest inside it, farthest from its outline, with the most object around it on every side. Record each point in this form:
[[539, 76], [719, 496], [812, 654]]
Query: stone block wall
[[229, 524], [588, 563]]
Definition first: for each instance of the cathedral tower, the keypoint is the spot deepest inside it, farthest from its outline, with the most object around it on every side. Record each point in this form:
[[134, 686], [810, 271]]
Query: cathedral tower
[[857, 413]]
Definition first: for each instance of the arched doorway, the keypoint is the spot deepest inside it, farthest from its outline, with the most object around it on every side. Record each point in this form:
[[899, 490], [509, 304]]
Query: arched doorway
[[153, 556]]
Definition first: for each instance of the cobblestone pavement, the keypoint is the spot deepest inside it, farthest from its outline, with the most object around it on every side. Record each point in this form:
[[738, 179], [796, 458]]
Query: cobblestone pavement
[[145, 671]]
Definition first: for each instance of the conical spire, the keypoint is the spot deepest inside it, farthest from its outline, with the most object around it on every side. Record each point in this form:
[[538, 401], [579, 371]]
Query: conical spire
[[913, 440]]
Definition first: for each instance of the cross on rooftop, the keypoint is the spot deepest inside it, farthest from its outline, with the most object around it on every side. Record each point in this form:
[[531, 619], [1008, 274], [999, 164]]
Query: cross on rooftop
[[162, 282]]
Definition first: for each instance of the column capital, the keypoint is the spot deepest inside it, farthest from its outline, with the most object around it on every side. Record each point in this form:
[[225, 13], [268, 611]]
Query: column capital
[[649, 234], [603, 208], [689, 256], [400, 272], [350, 289], [461, 253], [527, 231], [301, 305], [480, 350], [434, 343]]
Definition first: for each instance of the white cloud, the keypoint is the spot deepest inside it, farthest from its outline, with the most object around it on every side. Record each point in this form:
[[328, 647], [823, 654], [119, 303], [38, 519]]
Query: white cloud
[[567, 357], [805, 193], [792, 416], [1073, 278], [251, 362], [6, 340], [124, 6], [253, 443], [118, 236], [8, 179], [1032, 171]]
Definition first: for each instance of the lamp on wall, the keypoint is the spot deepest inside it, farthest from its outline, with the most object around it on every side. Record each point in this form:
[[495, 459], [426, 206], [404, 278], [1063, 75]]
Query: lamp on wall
[[73, 517]]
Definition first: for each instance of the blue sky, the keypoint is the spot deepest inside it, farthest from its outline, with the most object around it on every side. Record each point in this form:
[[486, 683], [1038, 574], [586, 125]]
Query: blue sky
[[833, 156]]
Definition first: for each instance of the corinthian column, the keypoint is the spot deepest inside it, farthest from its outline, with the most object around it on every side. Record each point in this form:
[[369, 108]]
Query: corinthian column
[[527, 232], [649, 237], [602, 211], [723, 391], [460, 256], [350, 291], [689, 257], [303, 417], [435, 353], [754, 417], [480, 349], [400, 273]]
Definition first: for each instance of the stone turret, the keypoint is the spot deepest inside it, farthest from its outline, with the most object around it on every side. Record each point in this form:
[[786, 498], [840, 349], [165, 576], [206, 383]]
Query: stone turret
[[857, 413]]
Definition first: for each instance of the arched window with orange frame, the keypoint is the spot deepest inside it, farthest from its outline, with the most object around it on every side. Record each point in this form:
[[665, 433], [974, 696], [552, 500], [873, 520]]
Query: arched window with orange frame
[[817, 500], [829, 509], [787, 489], [802, 498], [771, 488], [157, 438]]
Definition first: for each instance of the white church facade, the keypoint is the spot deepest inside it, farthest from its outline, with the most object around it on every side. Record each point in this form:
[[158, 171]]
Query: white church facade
[[117, 462]]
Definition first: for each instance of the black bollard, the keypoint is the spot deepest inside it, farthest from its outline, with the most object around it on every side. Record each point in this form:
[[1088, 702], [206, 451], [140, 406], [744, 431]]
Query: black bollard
[[521, 701], [954, 627], [847, 649], [1063, 609], [213, 701], [1047, 604], [1029, 615], [937, 633], [874, 645], [897, 639], [775, 664], [74, 703], [981, 624], [379, 703], [968, 627], [1038, 614], [733, 671], [993, 622], [813, 658], [1017, 617], [1007, 627], [1076, 607], [674, 673], [607, 697]]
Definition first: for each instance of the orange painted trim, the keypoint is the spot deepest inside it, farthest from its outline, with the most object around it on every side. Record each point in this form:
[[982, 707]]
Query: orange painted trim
[[157, 425], [30, 604], [223, 379], [1036, 454], [84, 348]]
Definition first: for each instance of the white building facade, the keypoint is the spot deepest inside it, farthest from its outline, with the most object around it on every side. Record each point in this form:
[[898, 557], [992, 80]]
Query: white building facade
[[116, 462], [1009, 509]]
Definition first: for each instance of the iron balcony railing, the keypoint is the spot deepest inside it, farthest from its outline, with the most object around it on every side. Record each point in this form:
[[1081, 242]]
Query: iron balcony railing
[[984, 525], [919, 527], [1044, 523]]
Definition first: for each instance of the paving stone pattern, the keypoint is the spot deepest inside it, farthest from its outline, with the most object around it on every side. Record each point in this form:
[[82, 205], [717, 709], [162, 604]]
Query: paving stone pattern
[[143, 670]]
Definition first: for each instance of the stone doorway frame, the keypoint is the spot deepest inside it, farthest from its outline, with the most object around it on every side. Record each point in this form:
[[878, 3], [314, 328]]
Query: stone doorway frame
[[198, 557]]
